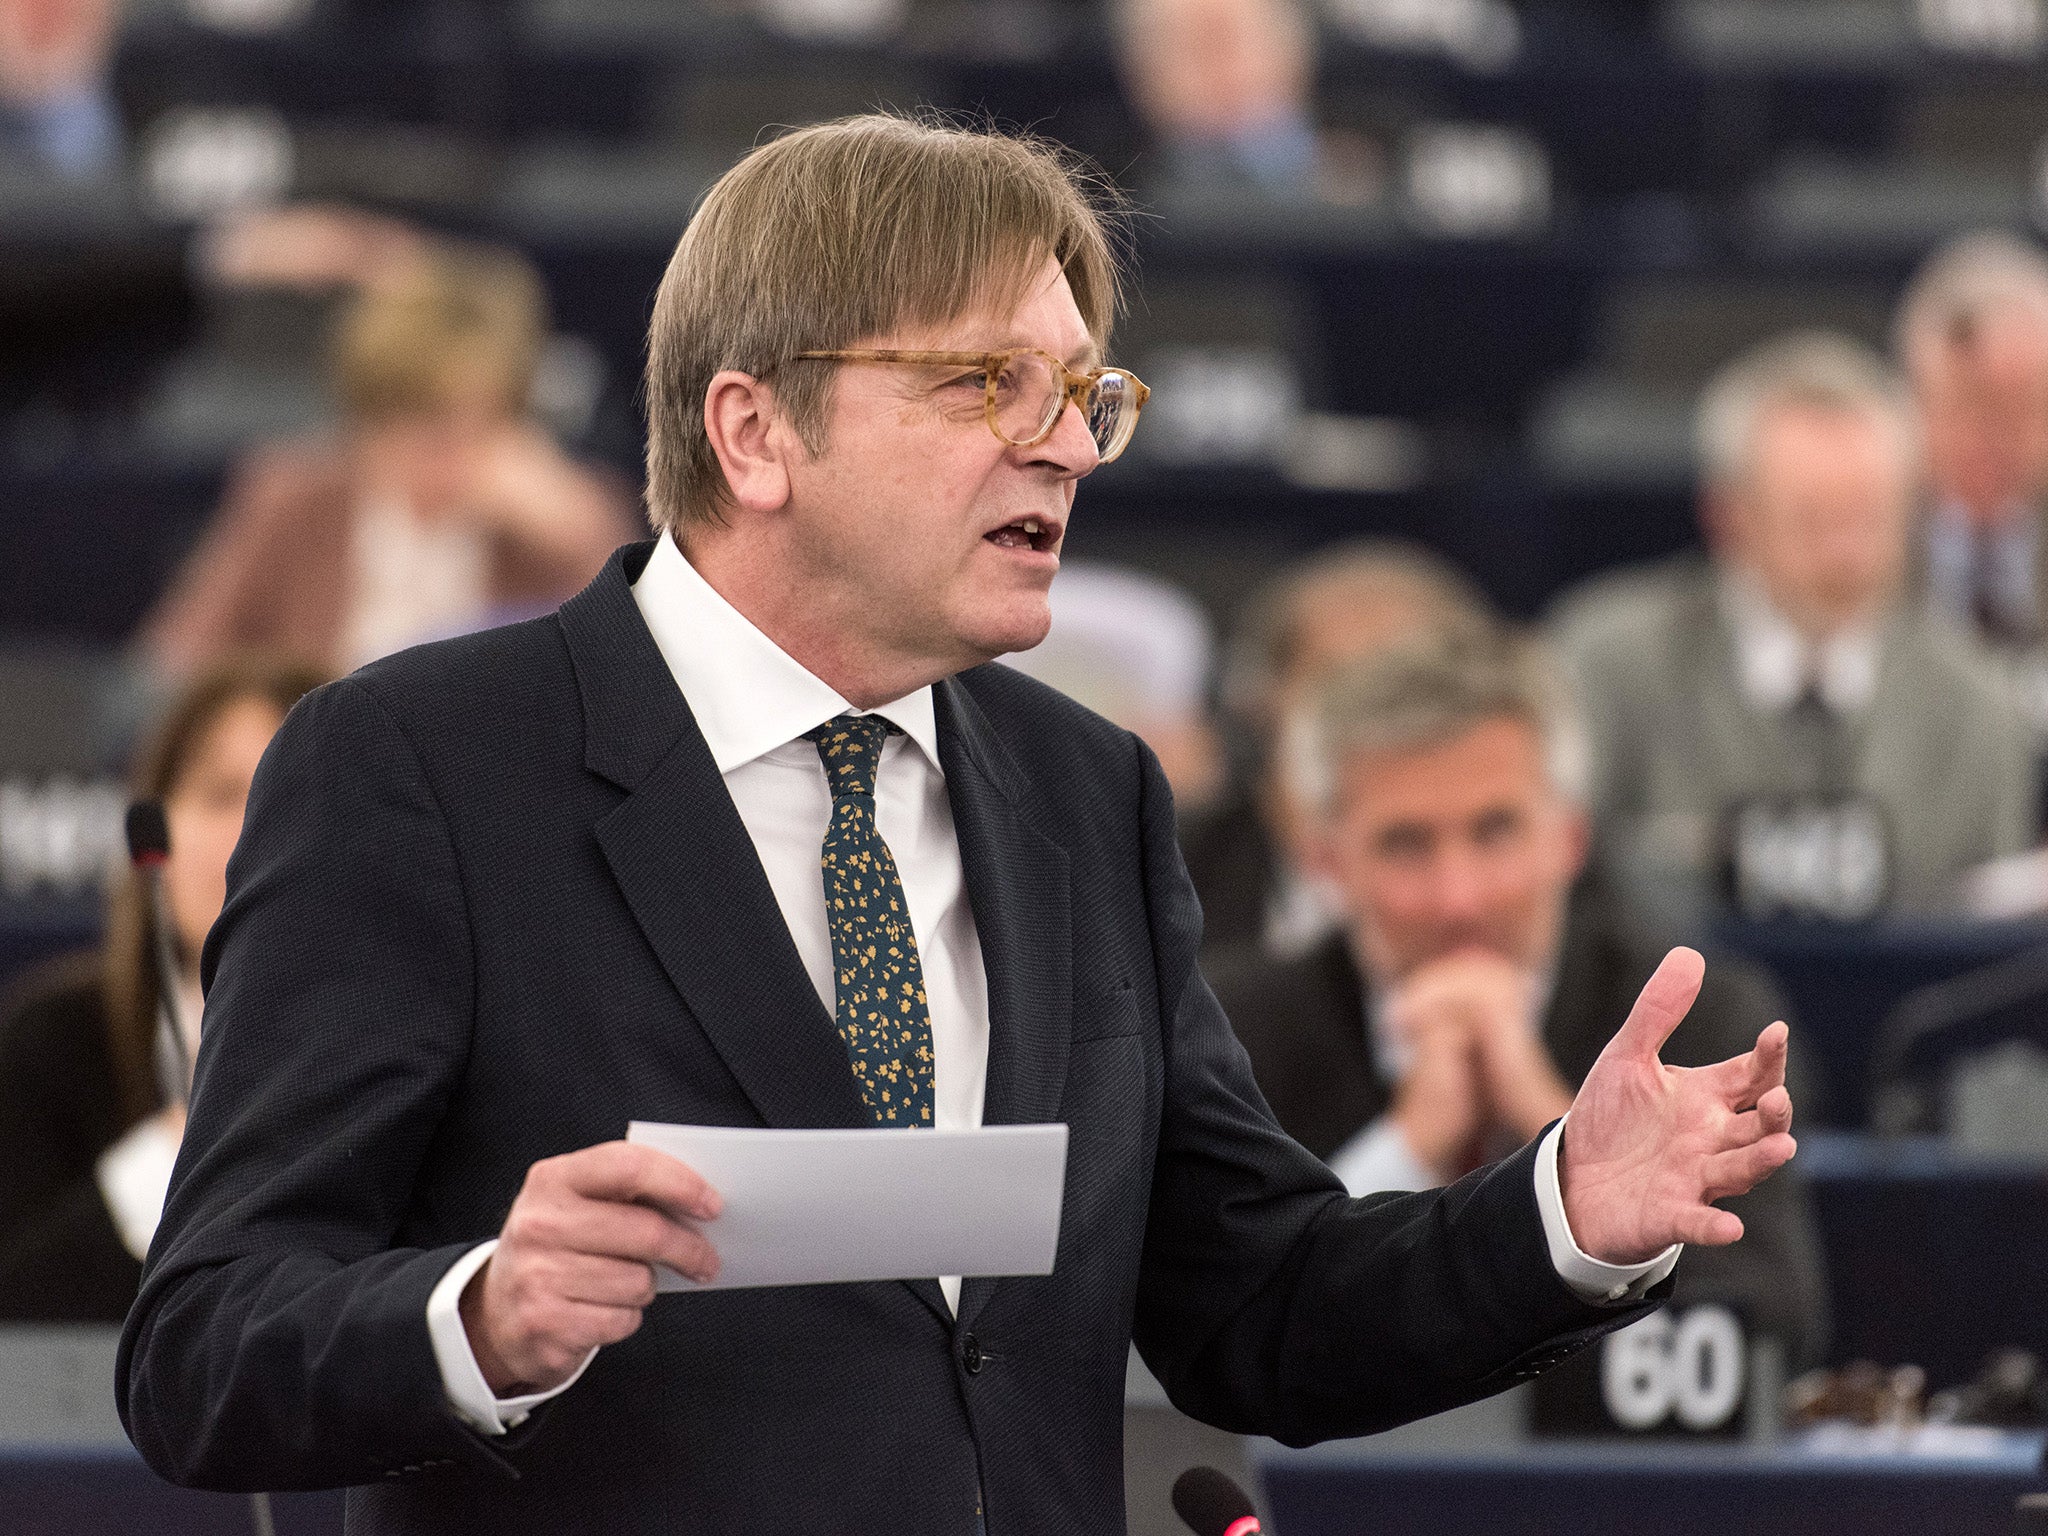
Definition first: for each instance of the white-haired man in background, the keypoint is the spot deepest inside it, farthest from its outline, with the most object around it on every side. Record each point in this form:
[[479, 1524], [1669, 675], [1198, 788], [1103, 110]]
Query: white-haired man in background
[[1779, 719], [1972, 335]]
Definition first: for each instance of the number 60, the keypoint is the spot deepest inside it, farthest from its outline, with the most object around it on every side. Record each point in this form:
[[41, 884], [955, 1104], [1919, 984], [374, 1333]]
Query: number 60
[[1691, 1364]]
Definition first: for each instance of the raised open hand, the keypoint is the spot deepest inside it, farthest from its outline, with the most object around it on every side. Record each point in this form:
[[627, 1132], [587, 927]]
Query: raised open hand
[[1648, 1147]]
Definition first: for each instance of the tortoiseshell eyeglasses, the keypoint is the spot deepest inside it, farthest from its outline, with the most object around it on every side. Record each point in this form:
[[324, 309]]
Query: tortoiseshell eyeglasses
[[1027, 390]]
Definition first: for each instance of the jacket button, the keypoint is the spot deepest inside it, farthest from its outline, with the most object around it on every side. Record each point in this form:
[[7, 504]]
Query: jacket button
[[970, 1355]]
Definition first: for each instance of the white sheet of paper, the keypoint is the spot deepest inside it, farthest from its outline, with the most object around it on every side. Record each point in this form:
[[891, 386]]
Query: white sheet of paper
[[808, 1206]]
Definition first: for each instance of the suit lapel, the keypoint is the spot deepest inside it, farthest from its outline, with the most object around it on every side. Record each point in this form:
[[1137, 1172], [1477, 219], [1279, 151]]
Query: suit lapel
[[689, 872], [1018, 884]]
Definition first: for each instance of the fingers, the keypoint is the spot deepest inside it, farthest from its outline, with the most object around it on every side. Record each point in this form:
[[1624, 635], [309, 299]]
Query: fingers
[[574, 1267], [623, 1170], [690, 1255], [600, 1325], [1705, 1226], [570, 1223], [1766, 1064], [1771, 1116], [1774, 1110], [532, 1318], [568, 1331], [1665, 998], [1740, 1169], [1742, 1081], [599, 1282]]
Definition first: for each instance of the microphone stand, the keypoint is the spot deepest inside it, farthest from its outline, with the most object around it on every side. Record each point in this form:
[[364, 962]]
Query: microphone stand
[[170, 987], [149, 845]]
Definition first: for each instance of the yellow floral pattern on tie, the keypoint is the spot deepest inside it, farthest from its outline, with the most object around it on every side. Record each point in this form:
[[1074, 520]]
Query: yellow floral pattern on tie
[[878, 979]]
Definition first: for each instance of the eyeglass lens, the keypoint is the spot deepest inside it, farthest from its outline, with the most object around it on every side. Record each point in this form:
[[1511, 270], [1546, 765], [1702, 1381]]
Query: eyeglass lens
[[1030, 394]]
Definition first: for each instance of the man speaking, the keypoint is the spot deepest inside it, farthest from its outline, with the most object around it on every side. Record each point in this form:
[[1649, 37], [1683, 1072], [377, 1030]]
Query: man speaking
[[500, 895]]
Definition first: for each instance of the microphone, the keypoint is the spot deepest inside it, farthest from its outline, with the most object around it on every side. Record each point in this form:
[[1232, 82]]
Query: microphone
[[149, 845], [1212, 1505], [149, 834]]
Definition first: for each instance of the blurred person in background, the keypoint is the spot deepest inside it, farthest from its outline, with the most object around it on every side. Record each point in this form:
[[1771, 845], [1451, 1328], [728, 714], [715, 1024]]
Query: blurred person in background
[[91, 1113], [1973, 336], [1246, 855], [442, 507], [1780, 725], [87, 330], [1224, 87], [59, 120], [1465, 997], [1138, 651]]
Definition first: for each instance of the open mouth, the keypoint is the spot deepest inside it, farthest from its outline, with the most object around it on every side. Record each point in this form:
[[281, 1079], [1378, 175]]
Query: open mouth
[[1026, 533]]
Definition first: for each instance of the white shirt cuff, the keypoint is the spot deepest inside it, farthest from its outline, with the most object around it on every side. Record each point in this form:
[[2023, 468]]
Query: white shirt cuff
[[134, 1175], [461, 1377], [1379, 1158], [1591, 1279]]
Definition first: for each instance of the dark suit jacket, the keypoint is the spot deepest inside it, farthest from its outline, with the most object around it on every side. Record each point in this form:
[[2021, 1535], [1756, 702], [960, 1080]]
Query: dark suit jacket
[[1304, 1023], [492, 901], [1234, 866], [61, 1259]]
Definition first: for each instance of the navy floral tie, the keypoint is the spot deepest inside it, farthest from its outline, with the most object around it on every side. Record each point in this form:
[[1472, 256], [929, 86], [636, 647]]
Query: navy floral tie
[[878, 979]]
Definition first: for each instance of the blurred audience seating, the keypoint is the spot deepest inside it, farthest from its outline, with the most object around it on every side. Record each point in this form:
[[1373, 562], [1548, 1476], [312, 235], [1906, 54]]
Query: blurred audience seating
[[1967, 1059], [1842, 983]]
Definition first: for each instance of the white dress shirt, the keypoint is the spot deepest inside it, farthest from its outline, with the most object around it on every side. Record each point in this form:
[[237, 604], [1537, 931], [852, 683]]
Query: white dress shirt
[[753, 702], [134, 1174], [412, 579], [1775, 664]]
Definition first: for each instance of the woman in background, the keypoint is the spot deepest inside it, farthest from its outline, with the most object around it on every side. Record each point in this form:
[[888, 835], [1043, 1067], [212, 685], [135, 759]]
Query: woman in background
[[91, 1110], [441, 506]]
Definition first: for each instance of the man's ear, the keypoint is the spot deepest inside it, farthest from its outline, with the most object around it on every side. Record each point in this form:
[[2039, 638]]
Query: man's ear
[[752, 439]]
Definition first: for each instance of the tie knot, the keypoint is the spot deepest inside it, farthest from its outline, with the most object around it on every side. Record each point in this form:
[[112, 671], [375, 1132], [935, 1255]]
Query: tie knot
[[850, 747]]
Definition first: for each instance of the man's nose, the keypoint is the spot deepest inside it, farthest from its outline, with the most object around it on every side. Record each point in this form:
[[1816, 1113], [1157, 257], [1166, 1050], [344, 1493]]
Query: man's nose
[[1071, 448], [1457, 887]]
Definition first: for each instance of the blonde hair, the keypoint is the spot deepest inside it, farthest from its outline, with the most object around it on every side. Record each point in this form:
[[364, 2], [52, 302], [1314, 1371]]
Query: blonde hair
[[844, 232], [455, 315], [1812, 368]]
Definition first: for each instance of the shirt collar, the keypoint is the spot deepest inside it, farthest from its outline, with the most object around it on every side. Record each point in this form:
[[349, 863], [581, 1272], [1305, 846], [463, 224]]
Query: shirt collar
[[749, 696], [1774, 662]]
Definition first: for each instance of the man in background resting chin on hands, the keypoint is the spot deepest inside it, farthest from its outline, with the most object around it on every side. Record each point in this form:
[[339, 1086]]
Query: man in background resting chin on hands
[[1482, 965]]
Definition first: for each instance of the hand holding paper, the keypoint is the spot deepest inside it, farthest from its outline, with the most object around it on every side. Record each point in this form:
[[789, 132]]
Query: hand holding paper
[[595, 1234], [809, 1206], [572, 1270]]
